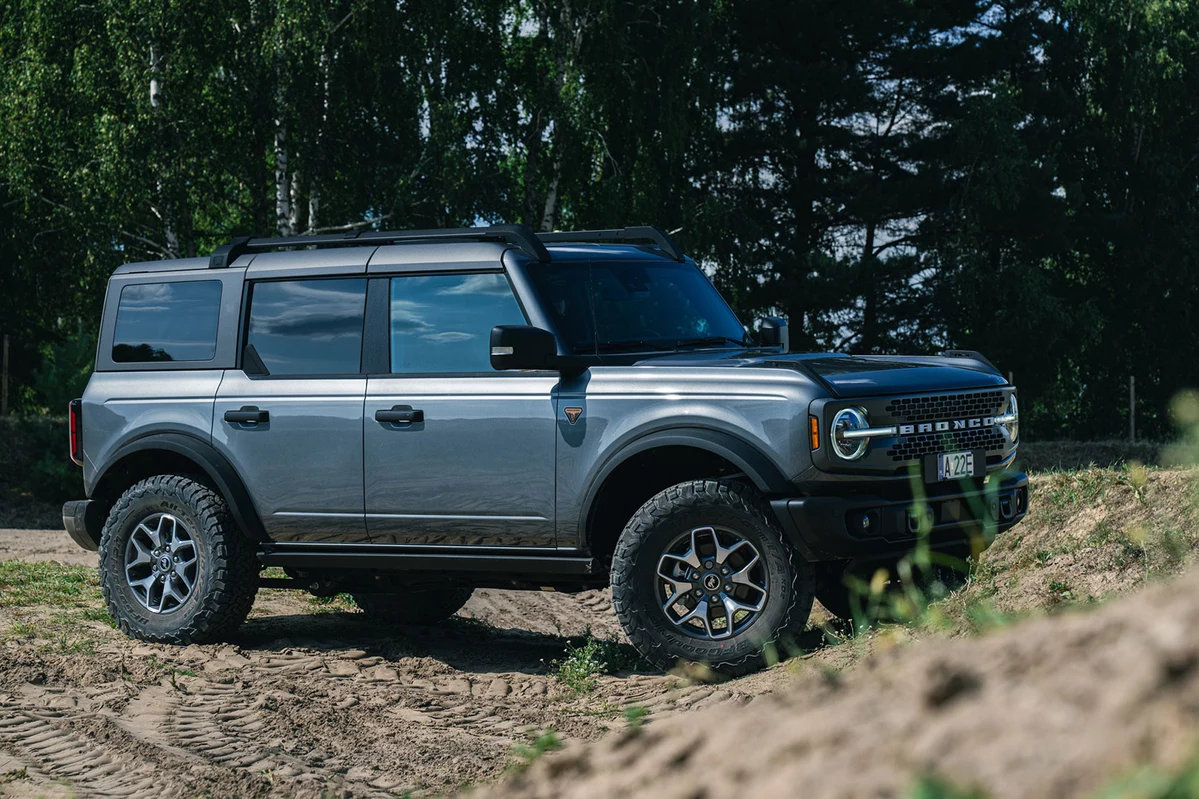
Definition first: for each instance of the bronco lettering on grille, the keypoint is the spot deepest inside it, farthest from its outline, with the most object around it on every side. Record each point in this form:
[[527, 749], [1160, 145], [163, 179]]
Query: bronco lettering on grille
[[945, 427]]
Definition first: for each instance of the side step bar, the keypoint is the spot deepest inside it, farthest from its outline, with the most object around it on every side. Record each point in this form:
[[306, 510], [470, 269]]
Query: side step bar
[[382, 558]]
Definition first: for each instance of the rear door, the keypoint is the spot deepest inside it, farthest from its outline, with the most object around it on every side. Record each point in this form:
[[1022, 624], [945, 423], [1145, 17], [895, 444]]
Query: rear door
[[290, 420], [457, 453]]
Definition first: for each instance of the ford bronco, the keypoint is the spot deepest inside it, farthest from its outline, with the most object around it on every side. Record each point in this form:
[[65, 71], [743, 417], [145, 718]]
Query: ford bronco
[[406, 416]]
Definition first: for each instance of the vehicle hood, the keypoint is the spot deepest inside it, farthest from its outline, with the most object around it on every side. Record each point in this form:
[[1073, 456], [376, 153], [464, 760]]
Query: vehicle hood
[[853, 375]]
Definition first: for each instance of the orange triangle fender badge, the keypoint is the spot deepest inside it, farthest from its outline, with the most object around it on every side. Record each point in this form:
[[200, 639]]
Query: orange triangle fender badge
[[573, 414]]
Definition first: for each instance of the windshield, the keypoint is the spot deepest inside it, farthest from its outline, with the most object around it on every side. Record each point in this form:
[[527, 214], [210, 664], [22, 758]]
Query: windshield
[[620, 306]]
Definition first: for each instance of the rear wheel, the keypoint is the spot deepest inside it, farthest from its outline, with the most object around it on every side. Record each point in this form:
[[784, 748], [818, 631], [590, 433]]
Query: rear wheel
[[174, 568], [702, 573], [428, 606]]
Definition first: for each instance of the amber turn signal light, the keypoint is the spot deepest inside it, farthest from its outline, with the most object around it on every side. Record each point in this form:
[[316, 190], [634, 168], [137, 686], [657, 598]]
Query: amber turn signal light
[[814, 429]]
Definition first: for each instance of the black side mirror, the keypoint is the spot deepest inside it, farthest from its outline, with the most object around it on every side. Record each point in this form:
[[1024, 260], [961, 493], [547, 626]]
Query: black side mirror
[[774, 333], [522, 347]]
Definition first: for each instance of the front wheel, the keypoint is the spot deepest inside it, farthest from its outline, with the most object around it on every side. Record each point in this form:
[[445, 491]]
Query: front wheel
[[702, 573]]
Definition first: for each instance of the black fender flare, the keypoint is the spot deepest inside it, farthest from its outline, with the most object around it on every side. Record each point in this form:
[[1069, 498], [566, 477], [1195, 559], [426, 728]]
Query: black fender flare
[[761, 471], [214, 465]]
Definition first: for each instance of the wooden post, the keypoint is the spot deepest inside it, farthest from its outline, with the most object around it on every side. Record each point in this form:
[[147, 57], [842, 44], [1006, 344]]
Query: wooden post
[[4, 381], [1132, 409]]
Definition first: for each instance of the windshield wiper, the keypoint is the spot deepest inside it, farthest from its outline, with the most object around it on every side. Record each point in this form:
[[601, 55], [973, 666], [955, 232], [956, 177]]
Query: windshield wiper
[[709, 341], [630, 345]]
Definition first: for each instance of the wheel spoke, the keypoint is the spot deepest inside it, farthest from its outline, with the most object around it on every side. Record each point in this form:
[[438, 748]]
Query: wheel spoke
[[741, 576], [721, 578], [700, 611], [145, 583], [143, 554], [162, 522], [722, 554], [680, 590], [168, 589], [730, 610], [145, 530], [181, 573]]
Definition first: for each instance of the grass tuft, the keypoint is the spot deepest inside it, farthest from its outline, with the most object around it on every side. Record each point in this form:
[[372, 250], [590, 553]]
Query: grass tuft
[[48, 584], [525, 755], [588, 657]]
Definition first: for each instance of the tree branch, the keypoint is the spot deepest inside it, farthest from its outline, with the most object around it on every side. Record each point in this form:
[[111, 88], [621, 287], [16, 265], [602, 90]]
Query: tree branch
[[352, 225]]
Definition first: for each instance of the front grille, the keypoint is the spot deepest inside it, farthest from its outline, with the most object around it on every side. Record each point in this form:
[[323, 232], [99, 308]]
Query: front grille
[[910, 448], [946, 408], [937, 408]]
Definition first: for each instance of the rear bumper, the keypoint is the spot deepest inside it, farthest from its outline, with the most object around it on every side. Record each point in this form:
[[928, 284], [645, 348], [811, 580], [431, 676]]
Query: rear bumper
[[83, 520], [841, 528]]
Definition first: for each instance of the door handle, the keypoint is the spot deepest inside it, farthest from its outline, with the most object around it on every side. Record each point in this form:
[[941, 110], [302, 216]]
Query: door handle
[[400, 414], [249, 414]]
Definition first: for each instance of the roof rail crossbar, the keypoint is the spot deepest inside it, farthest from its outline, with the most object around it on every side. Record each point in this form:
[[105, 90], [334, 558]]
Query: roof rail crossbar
[[642, 233], [519, 236]]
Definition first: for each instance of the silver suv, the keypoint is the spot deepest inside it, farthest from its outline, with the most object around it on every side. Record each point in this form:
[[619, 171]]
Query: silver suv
[[408, 416]]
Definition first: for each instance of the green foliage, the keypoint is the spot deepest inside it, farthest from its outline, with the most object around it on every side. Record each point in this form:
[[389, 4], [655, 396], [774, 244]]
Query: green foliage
[[526, 755], [931, 787], [635, 715], [587, 657], [1156, 783], [64, 370], [1013, 178], [25, 584], [35, 460]]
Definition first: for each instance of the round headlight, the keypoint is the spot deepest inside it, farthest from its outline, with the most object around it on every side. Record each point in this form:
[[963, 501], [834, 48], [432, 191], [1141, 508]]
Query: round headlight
[[849, 449], [1013, 427]]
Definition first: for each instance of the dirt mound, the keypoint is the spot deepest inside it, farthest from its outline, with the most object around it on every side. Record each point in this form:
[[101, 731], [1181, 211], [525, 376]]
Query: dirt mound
[[1055, 707], [1091, 534]]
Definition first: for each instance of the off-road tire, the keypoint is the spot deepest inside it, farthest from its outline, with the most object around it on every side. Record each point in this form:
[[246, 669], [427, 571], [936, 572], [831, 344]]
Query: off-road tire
[[430, 606], [227, 571], [662, 519]]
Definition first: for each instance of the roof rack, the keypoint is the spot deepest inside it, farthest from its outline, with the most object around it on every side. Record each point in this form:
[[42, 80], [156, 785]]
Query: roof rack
[[642, 233], [519, 236]]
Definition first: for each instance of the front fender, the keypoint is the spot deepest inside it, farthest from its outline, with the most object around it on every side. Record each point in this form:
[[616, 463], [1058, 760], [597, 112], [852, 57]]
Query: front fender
[[765, 475]]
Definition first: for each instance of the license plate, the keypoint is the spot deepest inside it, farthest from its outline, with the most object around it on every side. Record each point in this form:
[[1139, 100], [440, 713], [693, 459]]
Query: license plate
[[955, 465]]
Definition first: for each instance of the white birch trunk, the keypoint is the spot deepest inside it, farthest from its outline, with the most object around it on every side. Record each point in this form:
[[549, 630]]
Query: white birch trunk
[[166, 214], [282, 183]]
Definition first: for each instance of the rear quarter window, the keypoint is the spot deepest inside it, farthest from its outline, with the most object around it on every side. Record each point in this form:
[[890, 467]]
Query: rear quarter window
[[158, 322]]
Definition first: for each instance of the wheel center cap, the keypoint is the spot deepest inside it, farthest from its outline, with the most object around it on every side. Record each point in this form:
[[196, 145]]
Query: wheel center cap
[[164, 564], [711, 582]]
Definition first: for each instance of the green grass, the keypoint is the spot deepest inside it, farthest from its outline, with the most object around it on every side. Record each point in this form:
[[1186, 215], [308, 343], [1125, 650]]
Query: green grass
[[48, 585], [1145, 783], [588, 657], [525, 755]]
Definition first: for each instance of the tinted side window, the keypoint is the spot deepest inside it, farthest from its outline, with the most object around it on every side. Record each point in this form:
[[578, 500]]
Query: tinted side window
[[167, 322], [308, 327], [442, 323]]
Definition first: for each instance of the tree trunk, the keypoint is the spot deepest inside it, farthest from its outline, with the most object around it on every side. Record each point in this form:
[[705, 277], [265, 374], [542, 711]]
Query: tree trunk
[[165, 210], [282, 183], [869, 286], [551, 198]]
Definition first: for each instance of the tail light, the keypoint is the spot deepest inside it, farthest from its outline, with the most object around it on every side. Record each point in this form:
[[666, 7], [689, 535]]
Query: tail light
[[76, 423]]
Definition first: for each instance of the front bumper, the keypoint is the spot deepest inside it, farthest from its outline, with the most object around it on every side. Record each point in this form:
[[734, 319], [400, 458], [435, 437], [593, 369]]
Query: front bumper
[[83, 520], [844, 527]]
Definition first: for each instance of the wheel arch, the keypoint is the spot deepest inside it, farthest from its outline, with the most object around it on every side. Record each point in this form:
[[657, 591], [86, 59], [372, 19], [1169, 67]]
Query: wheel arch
[[686, 454], [173, 453]]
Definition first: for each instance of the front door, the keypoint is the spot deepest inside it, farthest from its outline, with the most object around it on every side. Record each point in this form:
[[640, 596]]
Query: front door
[[294, 433], [455, 452]]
